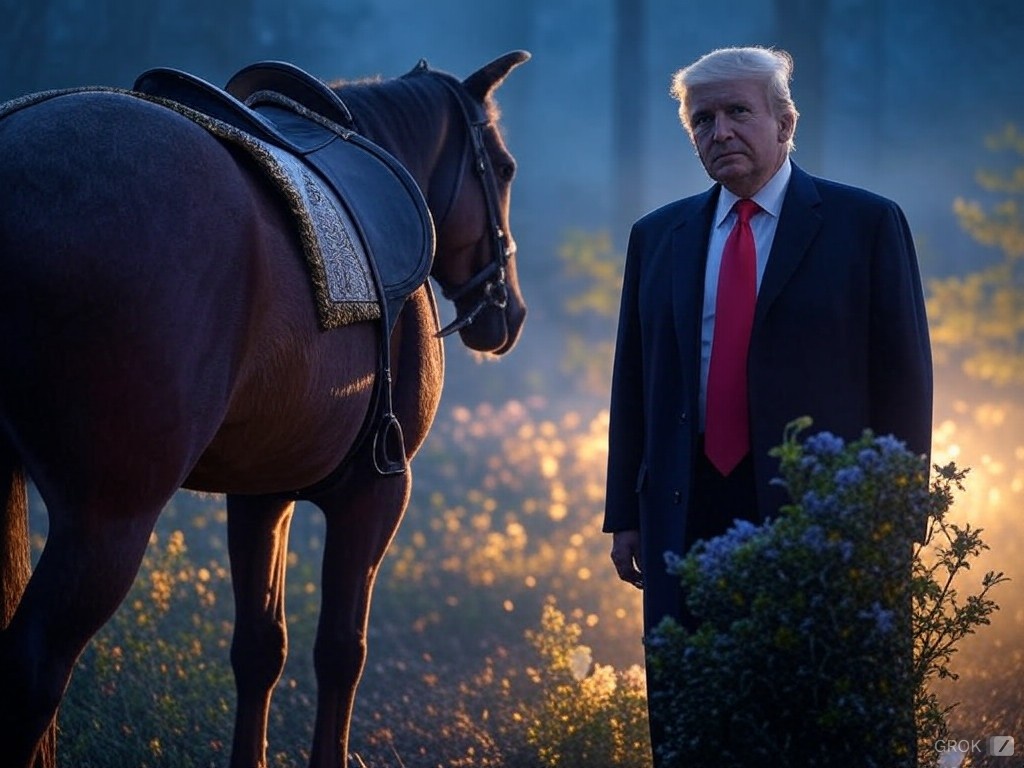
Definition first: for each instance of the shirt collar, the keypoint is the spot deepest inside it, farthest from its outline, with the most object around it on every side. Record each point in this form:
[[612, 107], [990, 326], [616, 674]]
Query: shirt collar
[[769, 197]]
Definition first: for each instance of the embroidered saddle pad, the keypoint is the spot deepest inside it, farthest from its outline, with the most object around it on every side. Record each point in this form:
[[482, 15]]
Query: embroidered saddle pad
[[362, 217]]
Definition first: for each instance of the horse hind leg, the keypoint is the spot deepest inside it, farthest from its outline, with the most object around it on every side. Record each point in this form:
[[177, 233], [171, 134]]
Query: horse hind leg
[[88, 564], [258, 550]]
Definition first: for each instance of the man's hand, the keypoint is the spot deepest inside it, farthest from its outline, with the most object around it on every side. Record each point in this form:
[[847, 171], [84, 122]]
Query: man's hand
[[626, 557]]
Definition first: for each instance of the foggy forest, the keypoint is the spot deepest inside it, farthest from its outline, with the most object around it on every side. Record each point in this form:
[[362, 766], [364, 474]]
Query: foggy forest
[[497, 612]]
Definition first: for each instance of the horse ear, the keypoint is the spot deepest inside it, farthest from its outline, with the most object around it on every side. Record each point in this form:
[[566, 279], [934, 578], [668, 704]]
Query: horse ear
[[480, 84]]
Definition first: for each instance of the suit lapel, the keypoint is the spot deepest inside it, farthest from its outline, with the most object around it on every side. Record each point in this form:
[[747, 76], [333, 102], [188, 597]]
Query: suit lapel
[[689, 256], [799, 222]]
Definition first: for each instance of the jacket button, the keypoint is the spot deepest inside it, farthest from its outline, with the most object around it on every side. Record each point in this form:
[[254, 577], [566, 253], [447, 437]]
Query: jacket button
[[677, 497], [682, 417]]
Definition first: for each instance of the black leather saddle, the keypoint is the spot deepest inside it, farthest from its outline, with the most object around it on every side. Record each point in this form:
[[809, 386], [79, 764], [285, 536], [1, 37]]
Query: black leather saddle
[[383, 200], [381, 197]]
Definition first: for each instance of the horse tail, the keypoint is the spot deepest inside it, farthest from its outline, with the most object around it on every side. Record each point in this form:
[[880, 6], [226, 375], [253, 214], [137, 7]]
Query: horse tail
[[15, 558], [16, 563]]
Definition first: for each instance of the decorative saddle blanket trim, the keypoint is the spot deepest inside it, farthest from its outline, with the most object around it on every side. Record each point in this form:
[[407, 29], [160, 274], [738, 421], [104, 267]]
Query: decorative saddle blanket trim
[[343, 285], [287, 107], [344, 288]]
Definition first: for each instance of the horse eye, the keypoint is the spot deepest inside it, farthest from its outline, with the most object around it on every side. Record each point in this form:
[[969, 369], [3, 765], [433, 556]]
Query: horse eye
[[507, 171]]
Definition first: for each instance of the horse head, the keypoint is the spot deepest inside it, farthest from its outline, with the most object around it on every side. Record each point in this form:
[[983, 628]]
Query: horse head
[[475, 264], [445, 132]]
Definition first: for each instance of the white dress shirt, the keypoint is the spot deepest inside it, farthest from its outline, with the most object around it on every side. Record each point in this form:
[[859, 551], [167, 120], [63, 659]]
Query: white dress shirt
[[763, 225]]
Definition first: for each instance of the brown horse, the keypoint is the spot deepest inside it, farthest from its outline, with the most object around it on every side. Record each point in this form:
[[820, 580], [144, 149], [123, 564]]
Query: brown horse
[[157, 331]]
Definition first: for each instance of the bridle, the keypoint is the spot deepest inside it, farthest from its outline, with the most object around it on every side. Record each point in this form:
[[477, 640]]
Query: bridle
[[490, 280]]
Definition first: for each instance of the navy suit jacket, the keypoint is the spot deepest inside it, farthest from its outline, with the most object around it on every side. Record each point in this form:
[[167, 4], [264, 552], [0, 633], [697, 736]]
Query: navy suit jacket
[[840, 335]]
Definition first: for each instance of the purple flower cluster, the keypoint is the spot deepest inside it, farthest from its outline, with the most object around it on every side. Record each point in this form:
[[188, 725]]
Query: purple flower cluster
[[798, 631], [713, 556], [824, 444]]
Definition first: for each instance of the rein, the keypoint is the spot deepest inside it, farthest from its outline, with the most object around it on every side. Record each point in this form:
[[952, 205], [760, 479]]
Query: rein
[[492, 277]]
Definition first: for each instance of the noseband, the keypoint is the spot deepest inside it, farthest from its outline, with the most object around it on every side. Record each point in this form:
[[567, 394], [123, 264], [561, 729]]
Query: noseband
[[491, 279]]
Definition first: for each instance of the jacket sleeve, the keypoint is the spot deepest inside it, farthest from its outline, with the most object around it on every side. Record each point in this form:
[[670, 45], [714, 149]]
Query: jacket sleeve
[[626, 413], [901, 364]]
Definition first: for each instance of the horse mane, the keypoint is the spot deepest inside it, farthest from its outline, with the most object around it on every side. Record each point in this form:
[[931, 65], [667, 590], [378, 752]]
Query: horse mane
[[401, 110], [393, 113], [353, 86]]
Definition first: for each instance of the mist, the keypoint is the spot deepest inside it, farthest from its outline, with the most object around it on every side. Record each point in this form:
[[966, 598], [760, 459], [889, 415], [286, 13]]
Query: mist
[[897, 97]]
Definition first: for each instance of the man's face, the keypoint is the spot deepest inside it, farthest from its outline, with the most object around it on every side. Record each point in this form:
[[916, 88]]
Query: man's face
[[739, 141]]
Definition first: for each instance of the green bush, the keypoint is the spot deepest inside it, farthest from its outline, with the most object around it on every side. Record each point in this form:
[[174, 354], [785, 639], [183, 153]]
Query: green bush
[[802, 652]]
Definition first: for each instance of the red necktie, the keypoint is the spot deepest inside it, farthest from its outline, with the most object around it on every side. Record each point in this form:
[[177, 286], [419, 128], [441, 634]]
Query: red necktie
[[727, 423]]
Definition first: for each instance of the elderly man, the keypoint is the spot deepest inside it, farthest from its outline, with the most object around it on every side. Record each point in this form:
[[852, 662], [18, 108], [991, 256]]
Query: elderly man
[[770, 296]]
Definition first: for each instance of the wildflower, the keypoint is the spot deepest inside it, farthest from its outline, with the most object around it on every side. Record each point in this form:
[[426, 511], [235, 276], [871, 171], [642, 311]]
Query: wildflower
[[848, 478], [814, 538], [824, 444], [889, 445], [673, 562], [817, 505], [868, 459], [711, 554], [176, 544], [601, 684], [580, 661]]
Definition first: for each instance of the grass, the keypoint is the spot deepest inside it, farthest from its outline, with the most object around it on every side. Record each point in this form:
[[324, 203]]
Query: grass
[[469, 662]]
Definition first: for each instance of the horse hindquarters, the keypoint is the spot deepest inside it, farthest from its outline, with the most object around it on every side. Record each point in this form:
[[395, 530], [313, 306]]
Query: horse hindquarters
[[118, 353]]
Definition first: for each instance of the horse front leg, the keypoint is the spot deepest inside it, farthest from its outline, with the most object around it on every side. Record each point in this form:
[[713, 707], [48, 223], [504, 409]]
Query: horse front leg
[[258, 549], [360, 525]]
